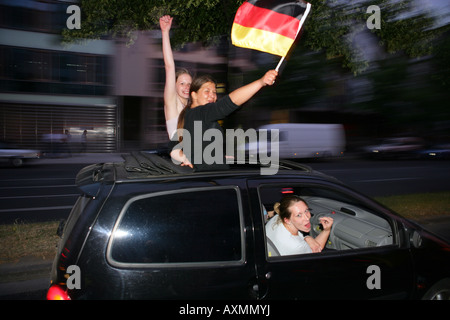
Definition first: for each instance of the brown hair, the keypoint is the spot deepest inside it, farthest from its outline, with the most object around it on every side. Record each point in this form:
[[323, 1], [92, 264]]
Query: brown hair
[[282, 207], [195, 86]]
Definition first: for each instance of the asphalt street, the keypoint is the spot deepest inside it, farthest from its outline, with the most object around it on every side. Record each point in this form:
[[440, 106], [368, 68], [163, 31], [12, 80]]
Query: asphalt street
[[45, 189], [386, 178]]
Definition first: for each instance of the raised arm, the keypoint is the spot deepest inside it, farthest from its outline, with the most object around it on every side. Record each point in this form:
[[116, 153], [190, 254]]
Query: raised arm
[[170, 93], [244, 93]]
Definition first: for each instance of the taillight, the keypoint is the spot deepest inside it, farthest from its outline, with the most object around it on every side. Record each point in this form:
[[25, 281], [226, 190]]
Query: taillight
[[56, 292]]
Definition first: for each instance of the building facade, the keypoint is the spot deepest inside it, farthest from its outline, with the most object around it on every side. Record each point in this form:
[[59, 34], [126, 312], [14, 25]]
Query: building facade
[[109, 89], [48, 89]]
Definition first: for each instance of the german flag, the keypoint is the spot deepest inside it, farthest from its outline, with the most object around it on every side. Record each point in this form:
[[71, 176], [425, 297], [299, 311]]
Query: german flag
[[269, 25]]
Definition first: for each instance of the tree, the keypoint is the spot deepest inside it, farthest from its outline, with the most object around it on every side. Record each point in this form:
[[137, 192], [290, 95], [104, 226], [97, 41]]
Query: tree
[[328, 28]]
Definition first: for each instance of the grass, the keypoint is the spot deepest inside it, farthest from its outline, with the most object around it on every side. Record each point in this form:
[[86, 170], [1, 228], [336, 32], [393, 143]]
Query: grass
[[20, 240], [419, 206], [39, 240]]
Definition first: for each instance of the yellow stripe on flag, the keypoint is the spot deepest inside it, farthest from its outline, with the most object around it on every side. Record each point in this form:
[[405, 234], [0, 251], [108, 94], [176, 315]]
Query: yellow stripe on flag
[[261, 40]]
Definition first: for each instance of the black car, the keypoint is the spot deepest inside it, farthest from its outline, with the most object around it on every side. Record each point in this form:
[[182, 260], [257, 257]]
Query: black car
[[148, 229]]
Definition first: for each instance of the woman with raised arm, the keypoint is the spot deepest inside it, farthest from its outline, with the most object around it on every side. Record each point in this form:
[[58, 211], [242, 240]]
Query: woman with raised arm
[[204, 110], [176, 89]]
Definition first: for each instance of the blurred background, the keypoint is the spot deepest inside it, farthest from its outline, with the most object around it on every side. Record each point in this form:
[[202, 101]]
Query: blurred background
[[111, 89]]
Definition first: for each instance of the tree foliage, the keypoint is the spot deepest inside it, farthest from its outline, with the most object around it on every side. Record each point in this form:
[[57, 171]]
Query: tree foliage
[[328, 28]]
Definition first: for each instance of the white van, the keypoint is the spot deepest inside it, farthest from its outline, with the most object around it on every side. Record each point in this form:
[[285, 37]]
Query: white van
[[302, 140]]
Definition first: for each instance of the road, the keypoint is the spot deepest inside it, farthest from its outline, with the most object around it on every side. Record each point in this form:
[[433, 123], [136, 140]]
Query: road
[[43, 190], [386, 178], [37, 192], [47, 191]]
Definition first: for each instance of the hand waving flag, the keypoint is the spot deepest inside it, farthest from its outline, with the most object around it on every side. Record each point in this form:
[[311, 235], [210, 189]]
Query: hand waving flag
[[269, 25]]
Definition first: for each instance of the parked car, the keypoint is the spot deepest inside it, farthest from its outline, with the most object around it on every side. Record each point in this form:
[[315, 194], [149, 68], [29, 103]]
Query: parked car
[[405, 147], [15, 156], [148, 229]]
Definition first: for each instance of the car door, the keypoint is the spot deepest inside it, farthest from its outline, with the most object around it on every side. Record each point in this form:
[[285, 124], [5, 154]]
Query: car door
[[361, 260], [187, 243]]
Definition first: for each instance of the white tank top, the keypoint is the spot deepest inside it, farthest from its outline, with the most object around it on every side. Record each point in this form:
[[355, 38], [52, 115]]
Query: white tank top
[[171, 125]]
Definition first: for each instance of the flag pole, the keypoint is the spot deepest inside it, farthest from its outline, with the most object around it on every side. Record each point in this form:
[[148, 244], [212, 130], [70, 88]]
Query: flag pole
[[279, 64], [302, 20]]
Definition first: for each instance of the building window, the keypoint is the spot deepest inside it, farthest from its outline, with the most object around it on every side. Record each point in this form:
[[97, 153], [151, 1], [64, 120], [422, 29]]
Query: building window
[[44, 71]]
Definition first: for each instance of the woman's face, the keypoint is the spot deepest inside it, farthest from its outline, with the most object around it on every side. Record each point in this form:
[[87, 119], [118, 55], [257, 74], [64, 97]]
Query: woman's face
[[183, 84], [300, 216], [206, 94]]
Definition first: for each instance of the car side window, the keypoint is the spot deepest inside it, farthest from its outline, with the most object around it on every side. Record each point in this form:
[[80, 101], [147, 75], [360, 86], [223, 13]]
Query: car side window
[[179, 228], [355, 224]]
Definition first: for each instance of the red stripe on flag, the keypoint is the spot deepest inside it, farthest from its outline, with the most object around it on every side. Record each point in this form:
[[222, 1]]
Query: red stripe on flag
[[252, 16]]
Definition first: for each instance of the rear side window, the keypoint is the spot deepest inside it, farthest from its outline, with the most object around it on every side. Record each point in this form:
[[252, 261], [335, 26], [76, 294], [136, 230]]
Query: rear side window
[[180, 228]]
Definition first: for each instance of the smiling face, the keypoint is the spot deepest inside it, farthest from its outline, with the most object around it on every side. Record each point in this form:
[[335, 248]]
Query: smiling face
[[183, 84], [206, 94], [300, 217]]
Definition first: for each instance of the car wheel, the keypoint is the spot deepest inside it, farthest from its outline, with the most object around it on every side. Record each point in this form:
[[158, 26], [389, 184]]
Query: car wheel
[[17, 162], [439, 291]]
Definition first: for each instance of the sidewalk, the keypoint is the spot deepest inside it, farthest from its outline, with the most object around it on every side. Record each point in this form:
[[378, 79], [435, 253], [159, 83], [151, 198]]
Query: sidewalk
[[28, 278]]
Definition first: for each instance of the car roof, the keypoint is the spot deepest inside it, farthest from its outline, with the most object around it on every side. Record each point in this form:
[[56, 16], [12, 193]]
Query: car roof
[[156, 165]]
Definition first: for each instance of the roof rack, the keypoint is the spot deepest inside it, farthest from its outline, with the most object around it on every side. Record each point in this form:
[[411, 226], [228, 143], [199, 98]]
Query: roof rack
[[157, 162]]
